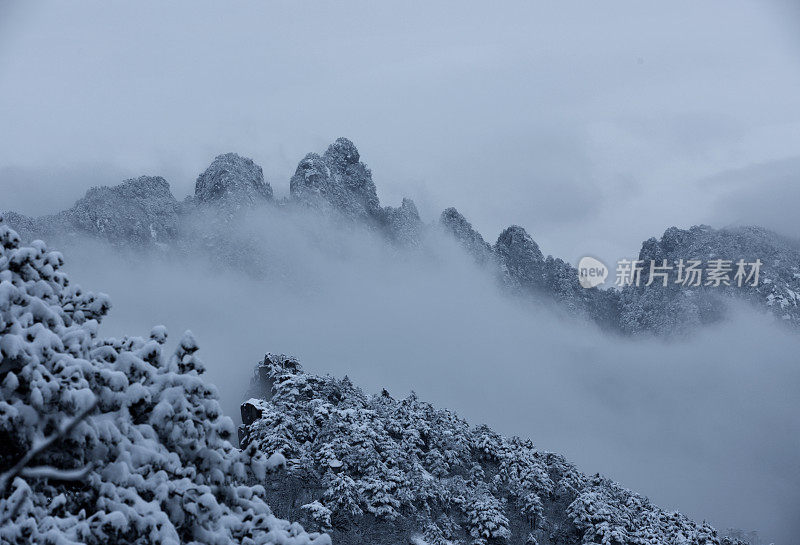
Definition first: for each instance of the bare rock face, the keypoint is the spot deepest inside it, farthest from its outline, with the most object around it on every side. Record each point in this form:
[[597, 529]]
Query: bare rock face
[[339, 180], [233, 181]]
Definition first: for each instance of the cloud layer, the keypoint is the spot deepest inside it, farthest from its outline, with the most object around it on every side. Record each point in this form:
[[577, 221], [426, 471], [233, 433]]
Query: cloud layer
[[706, 425]]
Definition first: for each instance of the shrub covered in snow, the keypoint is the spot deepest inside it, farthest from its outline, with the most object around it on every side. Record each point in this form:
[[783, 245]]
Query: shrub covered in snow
[[106, 440], [607, 513]]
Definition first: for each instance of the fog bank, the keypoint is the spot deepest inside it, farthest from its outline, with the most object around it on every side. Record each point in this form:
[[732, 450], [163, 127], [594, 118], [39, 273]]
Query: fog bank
[[708, 426]]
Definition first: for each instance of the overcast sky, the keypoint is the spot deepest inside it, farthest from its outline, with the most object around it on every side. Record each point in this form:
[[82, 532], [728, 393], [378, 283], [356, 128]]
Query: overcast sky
[[594, 126]]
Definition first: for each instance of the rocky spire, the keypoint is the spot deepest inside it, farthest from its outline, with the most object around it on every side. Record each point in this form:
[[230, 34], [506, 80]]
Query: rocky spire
[[457, 225], [232, 180], [337, 179], [520, 257], [403, 223]]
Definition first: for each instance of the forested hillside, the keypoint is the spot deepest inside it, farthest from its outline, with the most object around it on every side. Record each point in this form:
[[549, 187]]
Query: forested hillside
[[375, 469]]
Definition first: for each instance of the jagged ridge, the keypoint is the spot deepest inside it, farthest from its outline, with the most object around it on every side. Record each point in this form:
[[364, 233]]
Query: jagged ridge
[[674, 309], [142, 213]]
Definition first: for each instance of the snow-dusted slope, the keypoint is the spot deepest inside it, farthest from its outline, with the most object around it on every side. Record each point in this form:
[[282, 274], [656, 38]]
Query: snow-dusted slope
[[339, 182], [337, 179], [677, 309], [112, 441], [232, 181], [140, 212], [374, 469]]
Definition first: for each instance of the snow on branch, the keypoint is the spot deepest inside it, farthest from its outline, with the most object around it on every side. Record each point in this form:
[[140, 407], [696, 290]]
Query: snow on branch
[[47, 472]]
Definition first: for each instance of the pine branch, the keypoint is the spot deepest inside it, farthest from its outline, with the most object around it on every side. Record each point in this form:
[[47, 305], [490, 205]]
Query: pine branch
[[12, 512], [11, 364], [20, 468], [50, 472]]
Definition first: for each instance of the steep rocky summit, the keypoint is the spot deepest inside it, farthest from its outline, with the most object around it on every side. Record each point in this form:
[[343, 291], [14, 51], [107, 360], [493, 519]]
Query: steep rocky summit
[[337, 179], [234, 181], [455, 224]]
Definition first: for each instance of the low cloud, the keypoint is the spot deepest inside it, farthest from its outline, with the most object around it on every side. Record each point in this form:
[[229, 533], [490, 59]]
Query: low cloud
[[707, 426]]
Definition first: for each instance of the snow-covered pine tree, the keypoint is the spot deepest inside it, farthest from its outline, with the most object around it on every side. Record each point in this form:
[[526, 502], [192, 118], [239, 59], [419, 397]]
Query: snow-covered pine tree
[[110, 441]]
